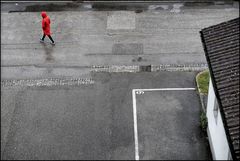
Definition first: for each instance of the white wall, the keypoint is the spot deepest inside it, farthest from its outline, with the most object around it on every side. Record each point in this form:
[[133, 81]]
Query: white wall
[[216, 132]]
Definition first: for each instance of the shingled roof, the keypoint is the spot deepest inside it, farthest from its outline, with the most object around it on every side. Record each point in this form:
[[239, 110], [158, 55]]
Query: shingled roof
[[221, 45]]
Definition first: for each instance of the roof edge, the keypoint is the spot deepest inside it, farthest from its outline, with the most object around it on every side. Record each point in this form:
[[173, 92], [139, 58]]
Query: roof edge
[[220, 23], [234, 157]]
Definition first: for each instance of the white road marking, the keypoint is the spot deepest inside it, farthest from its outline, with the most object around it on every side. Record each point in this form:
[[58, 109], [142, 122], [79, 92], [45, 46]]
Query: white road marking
[[135, 125], [166, 89], [141, 91]]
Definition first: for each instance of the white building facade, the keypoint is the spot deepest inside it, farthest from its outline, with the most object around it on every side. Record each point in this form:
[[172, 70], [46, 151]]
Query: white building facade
[[216, 132]]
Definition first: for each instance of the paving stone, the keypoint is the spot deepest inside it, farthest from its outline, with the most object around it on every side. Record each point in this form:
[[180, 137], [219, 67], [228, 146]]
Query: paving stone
[[121, 20]]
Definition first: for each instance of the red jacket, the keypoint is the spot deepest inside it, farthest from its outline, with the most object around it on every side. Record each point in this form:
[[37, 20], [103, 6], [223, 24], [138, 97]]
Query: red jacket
[[45, 23]]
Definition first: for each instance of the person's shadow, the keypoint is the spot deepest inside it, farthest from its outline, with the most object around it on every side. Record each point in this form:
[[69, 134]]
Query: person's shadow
[[48, 51]]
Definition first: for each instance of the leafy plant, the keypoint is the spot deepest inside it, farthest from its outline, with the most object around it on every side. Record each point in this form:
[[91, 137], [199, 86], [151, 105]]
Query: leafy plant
[[203, 81], [204, 121]]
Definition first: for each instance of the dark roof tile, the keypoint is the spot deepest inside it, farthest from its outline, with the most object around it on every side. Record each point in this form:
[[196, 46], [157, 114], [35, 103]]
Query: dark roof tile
[[221, 45]]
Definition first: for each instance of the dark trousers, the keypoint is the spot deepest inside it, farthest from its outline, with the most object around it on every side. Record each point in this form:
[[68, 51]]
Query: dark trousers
[[50, 37]]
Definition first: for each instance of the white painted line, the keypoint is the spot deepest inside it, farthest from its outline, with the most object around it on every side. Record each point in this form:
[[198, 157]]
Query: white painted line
[[166, 89], [135, 125], [140, 91]]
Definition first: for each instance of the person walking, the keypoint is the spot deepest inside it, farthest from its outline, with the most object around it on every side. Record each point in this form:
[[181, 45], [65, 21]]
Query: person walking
[[46, 27]]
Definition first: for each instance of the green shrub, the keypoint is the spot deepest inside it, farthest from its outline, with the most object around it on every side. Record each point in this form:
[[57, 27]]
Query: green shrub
[[203, 81], [203, 120]]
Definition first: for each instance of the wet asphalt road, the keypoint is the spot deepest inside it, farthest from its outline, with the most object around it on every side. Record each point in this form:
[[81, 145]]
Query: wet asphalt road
[[168, 126], [96, 6], [164, 34], [91, 117], [96, 121]]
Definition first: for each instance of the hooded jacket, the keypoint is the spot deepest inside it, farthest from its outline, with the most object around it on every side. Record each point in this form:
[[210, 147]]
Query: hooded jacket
[[45, 23]]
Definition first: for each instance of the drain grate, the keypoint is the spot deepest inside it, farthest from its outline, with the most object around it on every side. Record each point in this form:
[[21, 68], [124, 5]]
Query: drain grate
[[145, 68], [139, 11]]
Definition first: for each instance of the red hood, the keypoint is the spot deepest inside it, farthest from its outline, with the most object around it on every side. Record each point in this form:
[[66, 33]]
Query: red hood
[[44, 14]]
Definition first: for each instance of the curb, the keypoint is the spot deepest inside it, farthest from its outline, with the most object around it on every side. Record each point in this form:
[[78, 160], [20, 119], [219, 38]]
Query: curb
[[47, 82], [201, 96], [149, 68]]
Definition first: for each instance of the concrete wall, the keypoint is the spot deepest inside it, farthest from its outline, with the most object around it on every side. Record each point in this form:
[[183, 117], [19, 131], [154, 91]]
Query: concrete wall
[[216, 133]]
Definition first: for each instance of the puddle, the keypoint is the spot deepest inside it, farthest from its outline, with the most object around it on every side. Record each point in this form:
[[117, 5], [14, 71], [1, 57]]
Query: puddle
[[176, 8], [158, 7], [48, 52], [87, 6], [137, 8], [138, 11], [203, 4], [103, 7], [128, 49], [165, 7], [139, 59], [49, 7], [119, 7]]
